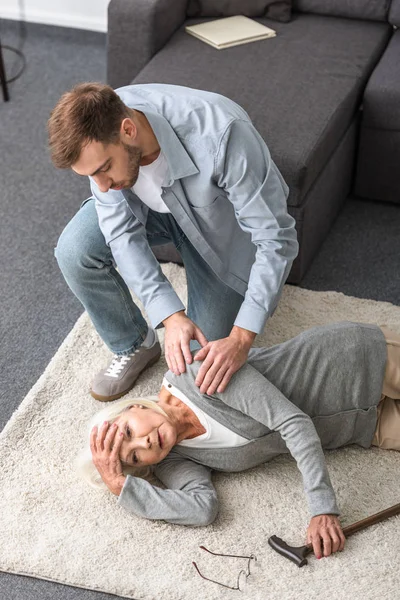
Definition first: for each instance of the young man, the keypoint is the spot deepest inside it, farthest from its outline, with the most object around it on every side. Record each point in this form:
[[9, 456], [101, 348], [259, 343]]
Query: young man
[[167, 163]]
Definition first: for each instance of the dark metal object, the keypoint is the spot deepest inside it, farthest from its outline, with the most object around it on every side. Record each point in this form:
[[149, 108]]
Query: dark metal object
[[242, 572], [3, 79], [297, 554]]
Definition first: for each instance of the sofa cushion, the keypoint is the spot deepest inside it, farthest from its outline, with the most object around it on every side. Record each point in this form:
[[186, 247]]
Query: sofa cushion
[[374, 10], [301, 88], [278, 10], [382, 95], [394, 13]]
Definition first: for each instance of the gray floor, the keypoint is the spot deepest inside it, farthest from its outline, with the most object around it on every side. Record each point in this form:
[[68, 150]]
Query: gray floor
[[361, 256]]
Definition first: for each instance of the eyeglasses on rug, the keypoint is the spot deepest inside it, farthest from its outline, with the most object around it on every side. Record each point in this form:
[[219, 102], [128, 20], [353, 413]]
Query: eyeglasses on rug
[[244, 572]]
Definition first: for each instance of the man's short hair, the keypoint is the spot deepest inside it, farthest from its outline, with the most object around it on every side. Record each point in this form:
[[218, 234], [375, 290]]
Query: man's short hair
[[88, 112]]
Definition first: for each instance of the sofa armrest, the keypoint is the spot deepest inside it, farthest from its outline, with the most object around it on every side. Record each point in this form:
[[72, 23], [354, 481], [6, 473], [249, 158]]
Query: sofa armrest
[[137, 29]]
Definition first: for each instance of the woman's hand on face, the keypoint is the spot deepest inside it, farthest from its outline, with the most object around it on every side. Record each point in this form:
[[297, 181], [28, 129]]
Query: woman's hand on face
[[105, 445], [325, 534]]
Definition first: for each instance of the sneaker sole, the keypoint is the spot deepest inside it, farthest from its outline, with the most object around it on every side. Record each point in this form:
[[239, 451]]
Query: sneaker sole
[[116, 396]]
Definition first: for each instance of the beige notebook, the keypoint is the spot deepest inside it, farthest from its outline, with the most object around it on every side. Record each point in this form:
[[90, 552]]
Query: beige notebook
[[231, 31]]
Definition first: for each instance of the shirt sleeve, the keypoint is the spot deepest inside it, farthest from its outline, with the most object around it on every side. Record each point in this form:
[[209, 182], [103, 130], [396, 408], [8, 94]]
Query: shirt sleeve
[[136, 263], [255, 187], [190, 499], [252, 394]]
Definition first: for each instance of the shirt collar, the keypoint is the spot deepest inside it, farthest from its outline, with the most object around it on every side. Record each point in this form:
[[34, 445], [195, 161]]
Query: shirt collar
[[179, 162]]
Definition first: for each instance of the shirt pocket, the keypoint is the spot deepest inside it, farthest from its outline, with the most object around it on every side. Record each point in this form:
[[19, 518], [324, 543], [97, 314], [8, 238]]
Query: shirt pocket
[[218, 215]]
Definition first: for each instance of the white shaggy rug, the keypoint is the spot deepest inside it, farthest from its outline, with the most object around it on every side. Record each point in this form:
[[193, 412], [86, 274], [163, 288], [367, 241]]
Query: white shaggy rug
[[53, 526]]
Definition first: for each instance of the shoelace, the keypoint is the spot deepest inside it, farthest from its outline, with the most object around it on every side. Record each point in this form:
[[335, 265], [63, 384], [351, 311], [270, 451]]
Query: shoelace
[[118, 363]]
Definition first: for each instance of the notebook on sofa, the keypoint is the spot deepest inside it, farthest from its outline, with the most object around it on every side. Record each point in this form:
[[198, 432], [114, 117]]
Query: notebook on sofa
[[231, 31]]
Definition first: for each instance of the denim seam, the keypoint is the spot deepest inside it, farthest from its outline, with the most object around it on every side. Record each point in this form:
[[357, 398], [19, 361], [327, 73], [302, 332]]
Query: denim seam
[[157, 234], [180, 242], [168, 238]]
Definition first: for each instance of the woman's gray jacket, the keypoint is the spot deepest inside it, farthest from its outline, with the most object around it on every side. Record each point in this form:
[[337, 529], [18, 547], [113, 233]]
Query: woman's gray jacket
[[317, 390]]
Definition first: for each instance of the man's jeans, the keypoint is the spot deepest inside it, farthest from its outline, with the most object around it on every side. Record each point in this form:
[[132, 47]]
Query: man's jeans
[[89, 269]]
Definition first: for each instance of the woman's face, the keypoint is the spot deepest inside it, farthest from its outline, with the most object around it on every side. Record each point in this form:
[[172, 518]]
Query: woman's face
[[148, 436]]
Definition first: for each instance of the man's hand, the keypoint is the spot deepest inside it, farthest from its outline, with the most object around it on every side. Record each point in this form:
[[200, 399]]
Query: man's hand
[[325, 532], [105, 445], [222, 358], [179, 330]]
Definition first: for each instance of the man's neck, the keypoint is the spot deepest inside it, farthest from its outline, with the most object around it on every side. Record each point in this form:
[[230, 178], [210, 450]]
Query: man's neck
[[150, 146], [148, 159]]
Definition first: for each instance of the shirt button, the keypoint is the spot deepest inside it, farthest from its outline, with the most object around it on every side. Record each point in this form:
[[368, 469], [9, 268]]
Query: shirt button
[[169, 385]]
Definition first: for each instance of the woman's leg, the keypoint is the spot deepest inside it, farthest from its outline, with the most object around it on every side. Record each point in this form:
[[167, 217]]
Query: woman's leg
[[387, 433]]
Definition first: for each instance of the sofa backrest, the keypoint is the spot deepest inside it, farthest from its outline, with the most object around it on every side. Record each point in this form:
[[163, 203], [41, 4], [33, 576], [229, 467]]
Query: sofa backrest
[[278, 10], [371, 10]]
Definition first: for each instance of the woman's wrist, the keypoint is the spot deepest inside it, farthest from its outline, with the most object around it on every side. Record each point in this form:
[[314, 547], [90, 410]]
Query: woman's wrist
[[116, 487]]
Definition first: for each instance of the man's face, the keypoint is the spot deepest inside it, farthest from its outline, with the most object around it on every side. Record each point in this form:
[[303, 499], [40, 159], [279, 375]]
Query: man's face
[[112, 166]]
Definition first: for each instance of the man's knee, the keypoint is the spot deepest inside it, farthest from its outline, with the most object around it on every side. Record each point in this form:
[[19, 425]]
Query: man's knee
[[81, 243]]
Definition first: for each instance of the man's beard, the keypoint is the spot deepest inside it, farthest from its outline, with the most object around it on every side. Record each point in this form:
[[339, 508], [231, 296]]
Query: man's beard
[[134, 158]]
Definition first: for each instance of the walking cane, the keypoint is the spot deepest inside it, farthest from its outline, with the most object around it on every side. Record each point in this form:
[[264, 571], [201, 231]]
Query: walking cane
[[297, 554]]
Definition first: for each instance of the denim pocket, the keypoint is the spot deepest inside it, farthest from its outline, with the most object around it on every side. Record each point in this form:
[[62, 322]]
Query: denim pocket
[[87, 200]]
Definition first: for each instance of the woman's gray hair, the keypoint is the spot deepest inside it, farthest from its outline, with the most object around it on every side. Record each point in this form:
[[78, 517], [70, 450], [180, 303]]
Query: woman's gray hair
[[83, 461]]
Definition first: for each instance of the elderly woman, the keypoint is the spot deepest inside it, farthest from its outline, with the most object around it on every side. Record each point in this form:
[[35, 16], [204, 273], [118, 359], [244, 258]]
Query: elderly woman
[[330, 386]]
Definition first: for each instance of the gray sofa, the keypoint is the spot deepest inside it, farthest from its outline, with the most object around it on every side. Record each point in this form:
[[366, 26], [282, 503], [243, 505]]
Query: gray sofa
[[378, 164], [303, 89]]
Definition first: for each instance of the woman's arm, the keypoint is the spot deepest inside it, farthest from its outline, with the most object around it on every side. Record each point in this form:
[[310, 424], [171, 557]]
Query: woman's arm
[[190, 500], [251, 393]]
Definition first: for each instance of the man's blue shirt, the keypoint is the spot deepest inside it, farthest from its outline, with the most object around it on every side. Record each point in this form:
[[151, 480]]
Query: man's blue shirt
[[224, 191]]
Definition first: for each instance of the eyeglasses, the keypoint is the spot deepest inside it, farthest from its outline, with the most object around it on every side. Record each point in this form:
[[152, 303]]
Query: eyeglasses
[[242, 572]]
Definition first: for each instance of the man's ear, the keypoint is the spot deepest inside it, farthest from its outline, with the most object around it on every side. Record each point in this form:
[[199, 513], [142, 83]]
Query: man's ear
[[128, 129]]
